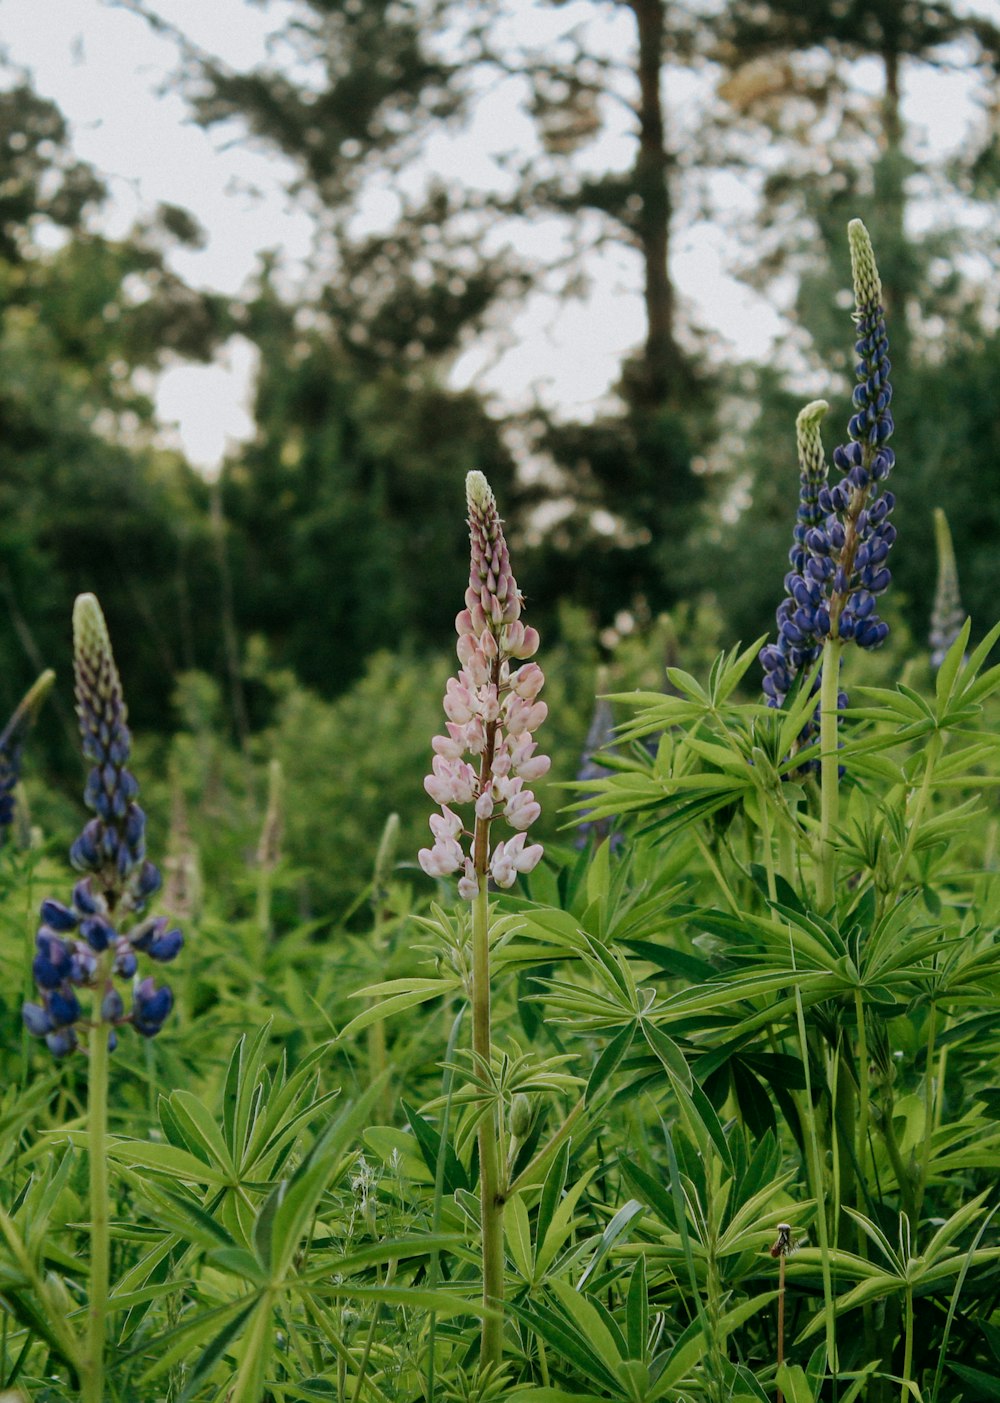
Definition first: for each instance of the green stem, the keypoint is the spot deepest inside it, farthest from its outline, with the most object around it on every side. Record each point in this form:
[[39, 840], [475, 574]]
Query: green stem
[[904, 1391], [768, 847], [829, 772], [815, 1165], [925, 1149], [97, 1152], [864, 1089], [906, 1192], [932, 755], [491, 1345], [786, 853]]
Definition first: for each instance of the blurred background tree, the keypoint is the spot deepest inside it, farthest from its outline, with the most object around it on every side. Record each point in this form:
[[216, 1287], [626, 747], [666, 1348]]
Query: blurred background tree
[[333, 533], [88, 500]]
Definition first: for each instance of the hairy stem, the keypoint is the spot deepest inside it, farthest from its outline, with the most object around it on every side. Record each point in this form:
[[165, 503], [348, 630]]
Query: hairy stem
[[829, 772], [904, 1390], [491, 1347]]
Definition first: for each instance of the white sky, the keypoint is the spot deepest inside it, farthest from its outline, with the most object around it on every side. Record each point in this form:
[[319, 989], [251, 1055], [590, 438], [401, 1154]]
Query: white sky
[[110, 76]]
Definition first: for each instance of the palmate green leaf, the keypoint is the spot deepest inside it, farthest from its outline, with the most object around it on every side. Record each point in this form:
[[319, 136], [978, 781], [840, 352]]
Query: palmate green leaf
[[669, 1054], [617, 1227], [300, 1199], [560, 1228], [241, 1078], [444, 1302], [176, 1345], [187, 1122], [429, 1140], [538, 1394], [214, 1351], [881, 1284], [637, 1310], [986, 1386], [651, 1190], [161, 1159], [517, 1233], [189, 1220], [610, 1059], [947, 673], [552, 1190], [396, 996], [571, 1342]]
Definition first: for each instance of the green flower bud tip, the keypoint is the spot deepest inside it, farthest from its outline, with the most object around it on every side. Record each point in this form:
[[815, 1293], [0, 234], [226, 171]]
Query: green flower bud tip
[[386, 855], [867, 283], [808, 440], [90, 632], [945, 548], [520, 1116], [478, 492], [947, 616]]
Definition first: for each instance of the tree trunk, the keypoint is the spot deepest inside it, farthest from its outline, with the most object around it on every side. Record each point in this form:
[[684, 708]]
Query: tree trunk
[[659, 380], [890, 196]]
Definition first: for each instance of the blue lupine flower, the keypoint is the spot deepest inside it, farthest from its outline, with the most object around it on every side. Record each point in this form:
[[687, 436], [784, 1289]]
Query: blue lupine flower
[[799, 644], [948, 616], [12, 746], [843, 535], [150, 1007], [850, 546], [84, 945]]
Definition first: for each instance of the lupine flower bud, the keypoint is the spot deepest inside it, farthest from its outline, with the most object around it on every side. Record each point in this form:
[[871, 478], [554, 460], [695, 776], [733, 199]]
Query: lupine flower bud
[[84, 945], [520, 1116], [12, 746], [492, 713], [948, 616]]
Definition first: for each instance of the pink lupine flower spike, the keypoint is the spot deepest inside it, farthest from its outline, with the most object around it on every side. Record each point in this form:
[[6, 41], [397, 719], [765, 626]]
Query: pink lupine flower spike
[[492, 714]]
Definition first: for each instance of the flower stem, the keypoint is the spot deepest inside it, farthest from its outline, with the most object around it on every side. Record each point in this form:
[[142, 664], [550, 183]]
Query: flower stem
[[829, 772], [491, 1347], [781, 1317], [864, 1090], [97, 1127], [904, 1392], [925, 1151]]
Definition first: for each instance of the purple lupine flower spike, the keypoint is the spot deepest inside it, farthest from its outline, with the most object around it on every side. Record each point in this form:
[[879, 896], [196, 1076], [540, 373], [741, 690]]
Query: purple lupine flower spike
[[94, 940], [856, 535], [12, 746], [843, 534], [948, 616], [801, 613], [492, 714]]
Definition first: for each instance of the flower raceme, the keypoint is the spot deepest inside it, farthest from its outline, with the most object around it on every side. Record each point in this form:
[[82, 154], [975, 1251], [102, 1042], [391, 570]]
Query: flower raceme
[[488, 757], [843, 535], [83, 945]]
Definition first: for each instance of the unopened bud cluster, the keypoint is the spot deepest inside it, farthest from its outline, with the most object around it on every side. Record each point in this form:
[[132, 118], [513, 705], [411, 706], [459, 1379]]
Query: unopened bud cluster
[[948, 616], [488, 756], [99, 936]]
